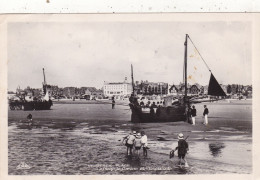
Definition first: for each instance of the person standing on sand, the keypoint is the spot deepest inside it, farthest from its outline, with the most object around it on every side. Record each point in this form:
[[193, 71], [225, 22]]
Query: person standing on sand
[[193, 114], [205, 114], [113, 103], [129, 143], [144, 143], [189, 114], [138, 143], [182, 148]]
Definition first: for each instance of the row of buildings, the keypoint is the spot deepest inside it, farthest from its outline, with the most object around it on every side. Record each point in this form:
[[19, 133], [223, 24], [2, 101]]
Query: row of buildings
[[124, 90], [59, 93], [233, 90]]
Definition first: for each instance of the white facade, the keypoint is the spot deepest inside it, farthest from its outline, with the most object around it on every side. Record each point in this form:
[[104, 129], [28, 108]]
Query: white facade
[[117, 89]]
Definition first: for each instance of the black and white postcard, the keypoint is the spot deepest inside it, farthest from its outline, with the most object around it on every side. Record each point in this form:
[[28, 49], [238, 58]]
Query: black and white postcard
[[129, 94]]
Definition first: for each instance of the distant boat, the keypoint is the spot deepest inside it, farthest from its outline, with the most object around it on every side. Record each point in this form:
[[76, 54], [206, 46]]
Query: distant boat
[[28, 105], [43, 104], [171, 111]]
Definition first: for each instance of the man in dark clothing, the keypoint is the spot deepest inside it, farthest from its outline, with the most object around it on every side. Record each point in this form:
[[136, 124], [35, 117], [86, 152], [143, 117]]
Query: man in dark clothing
[[193, 114], [205, 114], [113, 104], [152, 108], [154, 105], [131, 98], [182, 148], [189, 114]]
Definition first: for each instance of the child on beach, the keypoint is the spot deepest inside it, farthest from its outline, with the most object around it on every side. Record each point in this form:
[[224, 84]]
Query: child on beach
[[144, 143], [138, 143], [29, 117], [134, 133], [182, 148], [129, 143]]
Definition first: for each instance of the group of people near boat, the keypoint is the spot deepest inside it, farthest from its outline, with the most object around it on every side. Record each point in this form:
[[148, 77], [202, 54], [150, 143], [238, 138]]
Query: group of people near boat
[[192, 113], [136, 140], [150, 104], [145, 103]]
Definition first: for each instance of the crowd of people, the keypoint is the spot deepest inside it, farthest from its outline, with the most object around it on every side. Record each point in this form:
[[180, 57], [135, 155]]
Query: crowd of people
[[155, 102], [136, 140], [151, 101]]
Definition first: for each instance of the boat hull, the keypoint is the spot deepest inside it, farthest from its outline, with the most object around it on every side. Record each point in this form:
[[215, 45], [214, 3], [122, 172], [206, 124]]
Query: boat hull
[[161, 114], [45, 105]]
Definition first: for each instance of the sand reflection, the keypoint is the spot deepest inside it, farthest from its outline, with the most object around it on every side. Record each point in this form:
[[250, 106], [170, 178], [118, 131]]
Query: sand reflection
[[215, 148]]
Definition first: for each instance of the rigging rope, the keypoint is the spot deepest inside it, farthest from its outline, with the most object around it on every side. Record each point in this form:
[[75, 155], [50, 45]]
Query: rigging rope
[[183, 74], [199, 53]]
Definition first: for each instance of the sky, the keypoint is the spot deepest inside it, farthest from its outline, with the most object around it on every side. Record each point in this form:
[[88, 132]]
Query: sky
[[89, 53]]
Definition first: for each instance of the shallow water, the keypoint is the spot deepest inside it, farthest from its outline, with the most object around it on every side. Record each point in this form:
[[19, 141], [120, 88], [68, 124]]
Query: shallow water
[[94, 146]]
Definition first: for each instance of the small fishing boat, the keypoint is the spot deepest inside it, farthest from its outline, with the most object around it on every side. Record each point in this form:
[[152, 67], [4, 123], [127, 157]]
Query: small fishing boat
[[174, 108], [44, 103]]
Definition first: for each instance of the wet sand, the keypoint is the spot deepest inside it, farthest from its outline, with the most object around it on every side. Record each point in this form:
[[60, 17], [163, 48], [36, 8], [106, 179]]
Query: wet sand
[[87, 139]]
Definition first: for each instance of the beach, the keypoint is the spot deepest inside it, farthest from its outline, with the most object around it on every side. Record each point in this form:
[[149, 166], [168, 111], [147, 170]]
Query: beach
[[86, 138]]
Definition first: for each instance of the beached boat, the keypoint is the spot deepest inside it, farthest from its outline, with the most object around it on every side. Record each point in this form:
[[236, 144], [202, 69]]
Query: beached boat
[[171, 110], [37, 105], [43, 103]]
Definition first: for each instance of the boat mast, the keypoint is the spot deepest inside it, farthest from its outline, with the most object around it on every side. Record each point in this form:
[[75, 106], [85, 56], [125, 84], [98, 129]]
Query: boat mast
[[44, 82], [185, 67], [132, 76]]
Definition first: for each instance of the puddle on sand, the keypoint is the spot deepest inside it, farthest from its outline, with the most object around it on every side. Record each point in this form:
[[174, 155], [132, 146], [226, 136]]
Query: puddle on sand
[[222, 151]]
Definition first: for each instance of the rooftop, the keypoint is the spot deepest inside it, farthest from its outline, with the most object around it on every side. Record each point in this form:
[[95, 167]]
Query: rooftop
[[115, 83]]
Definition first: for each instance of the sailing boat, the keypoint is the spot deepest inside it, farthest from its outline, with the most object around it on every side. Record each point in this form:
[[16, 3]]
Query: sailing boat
[[43, 104], [171, 112]]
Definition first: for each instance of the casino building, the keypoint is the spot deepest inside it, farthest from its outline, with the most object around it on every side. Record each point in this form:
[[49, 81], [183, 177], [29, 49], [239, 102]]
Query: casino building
[[117, 89]]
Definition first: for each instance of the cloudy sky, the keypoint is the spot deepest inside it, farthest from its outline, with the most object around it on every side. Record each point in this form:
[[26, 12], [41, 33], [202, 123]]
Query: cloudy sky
[[87, 54]]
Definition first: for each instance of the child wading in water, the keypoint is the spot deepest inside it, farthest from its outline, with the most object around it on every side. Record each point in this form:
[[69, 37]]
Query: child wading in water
[[182, 147]]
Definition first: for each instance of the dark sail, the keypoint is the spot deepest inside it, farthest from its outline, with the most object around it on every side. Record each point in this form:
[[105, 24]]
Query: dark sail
[[214, 87]]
